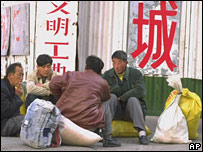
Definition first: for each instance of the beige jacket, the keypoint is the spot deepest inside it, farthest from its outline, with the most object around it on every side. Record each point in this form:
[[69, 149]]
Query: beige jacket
[[33, 79]]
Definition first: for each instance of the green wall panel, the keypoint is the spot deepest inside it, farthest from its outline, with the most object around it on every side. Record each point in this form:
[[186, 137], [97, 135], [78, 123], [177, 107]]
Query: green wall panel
[[158, 92]]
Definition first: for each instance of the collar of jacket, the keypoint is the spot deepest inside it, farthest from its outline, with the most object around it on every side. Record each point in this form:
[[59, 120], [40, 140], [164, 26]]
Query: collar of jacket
[[40, 77], [10, 87], [126, 75]]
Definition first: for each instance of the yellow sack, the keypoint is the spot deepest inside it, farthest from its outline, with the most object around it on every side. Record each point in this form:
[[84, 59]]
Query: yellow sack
[[191, 106], [23, 107], [125, 129]]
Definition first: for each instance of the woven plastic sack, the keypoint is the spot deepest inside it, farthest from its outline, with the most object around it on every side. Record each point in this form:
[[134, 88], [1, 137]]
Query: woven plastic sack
[[39, 125], [172, 124], [191, 106], [125, 129]]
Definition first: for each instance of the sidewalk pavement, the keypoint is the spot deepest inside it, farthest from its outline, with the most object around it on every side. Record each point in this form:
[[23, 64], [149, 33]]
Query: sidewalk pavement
[[128, 144]]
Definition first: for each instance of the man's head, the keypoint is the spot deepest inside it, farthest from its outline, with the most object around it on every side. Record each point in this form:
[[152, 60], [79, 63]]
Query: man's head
[[15, 74], [44, 63], [119, 59], [94, 63]]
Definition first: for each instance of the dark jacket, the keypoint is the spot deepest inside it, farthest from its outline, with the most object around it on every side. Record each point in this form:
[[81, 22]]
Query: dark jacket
[[10, 102], [131, 86], [80, 95]]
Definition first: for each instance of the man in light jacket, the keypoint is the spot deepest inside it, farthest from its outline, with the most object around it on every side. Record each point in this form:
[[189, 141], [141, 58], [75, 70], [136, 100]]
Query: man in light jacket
[[38, 81]]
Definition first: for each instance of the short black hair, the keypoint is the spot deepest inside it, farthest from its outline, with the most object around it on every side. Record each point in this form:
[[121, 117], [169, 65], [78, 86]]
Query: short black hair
[[12, 68], [44, 59], [94, 63], [120, 54]]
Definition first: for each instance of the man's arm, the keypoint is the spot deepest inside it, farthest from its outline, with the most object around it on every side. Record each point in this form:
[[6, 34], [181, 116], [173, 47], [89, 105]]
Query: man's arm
[[46, 85], [34, 88], [106, 94], [139, 90], [56, 85], [9, 108]]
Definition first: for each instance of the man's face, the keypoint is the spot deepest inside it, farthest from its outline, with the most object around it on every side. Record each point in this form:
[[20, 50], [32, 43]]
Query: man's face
[[45, 70], [119, 65], [17, 77]]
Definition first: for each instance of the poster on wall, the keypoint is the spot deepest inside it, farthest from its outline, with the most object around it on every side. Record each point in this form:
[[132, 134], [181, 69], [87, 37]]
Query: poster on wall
[[20, 36], [153, 39], [56, 33], [5, 30]]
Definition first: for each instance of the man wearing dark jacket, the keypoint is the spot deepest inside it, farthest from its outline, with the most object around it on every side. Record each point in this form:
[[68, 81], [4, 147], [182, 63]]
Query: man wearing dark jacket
[[11, 91], [128, 85]]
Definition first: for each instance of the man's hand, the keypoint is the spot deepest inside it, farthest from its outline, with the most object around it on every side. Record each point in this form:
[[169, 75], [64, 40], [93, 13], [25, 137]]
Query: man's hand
[[40, 85], [19, 90]]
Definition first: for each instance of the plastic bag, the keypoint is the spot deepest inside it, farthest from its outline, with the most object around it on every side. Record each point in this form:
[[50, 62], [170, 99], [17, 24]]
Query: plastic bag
[[191, 106], [172, 125], [23, 97], [73, 134], [125, 129]]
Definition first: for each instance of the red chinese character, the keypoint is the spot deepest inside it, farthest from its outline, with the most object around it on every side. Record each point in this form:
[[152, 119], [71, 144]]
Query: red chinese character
[[161, 26], [56, 49], [59, 8], [58, 68], [57, 25]]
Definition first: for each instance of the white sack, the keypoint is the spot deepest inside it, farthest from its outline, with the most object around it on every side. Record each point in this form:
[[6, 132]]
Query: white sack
[[73, 134], [172, 124]]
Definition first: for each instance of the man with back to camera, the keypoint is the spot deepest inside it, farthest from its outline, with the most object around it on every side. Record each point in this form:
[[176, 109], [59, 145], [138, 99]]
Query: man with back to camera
[[11, 92], [38, 81], [85, 99], [127, 84]]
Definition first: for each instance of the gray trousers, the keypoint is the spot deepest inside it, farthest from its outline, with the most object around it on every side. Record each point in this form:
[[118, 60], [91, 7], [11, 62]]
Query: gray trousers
[[12, 126], [115, 111]]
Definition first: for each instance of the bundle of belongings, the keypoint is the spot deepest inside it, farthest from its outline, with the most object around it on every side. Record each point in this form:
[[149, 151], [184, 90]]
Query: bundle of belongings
[[179, 122], [123, 128], [44, 126]]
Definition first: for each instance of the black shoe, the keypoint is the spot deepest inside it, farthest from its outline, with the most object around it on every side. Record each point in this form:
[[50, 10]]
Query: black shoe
[[99, 132], [143, 140], [110, 143]]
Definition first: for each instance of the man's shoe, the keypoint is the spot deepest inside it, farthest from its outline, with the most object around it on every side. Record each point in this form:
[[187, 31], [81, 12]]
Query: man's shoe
[[110, 143], [98, 131], [143, 140]]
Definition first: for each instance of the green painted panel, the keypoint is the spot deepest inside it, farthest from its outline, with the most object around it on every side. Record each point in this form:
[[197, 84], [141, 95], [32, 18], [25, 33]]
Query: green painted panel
[[158, 92]]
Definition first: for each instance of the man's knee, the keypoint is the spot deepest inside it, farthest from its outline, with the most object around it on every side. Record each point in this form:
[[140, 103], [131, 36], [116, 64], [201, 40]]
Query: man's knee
[[12, 126], [133, 100], [114, 96], [29, 99], [134, 105]]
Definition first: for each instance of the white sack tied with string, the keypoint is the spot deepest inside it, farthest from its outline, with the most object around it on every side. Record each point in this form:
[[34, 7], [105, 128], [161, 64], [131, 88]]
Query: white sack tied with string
[[172, 124]]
